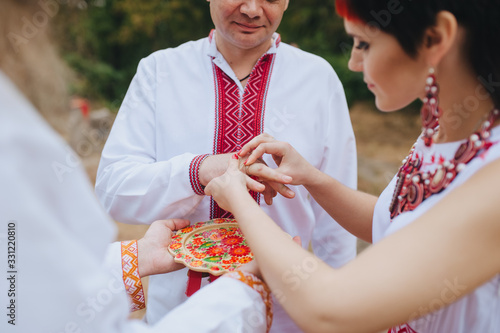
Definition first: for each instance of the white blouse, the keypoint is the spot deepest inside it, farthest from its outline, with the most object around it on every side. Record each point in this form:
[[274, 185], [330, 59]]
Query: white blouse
[[480, 310], [57, 234]]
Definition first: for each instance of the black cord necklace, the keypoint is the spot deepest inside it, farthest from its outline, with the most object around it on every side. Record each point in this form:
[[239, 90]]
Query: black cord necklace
[[246, 77]]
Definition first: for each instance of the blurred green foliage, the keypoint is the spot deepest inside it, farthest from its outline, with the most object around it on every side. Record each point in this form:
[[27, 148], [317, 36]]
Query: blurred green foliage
[[104, 40]]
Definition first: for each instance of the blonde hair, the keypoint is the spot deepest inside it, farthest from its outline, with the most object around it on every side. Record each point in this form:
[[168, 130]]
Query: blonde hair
[[30, 60]]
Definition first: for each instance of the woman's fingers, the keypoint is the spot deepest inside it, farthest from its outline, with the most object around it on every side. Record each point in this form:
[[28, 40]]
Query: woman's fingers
[[254, 143], [276, 148], [262, 171], [297, 240]]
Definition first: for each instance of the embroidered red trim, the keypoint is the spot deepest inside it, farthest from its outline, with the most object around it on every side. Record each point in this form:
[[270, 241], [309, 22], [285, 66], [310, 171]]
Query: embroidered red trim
[[239, 118], [259, 286], [131, 278], [194, 174]]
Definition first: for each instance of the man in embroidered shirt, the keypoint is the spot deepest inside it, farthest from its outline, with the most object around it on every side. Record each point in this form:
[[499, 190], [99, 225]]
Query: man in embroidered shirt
[[190, 107]]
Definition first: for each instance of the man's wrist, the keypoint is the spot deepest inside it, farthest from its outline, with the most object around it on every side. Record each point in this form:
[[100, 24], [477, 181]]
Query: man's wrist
[[195, 174], [213, 166]]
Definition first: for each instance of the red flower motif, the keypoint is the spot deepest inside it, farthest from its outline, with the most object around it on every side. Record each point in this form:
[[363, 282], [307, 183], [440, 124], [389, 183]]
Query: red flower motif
[[199, 255], [186, 230], [239, 251], [232, 240], [175, 246], [244, 260], [234, 260], [196, 263], [197, 241], [216, 236], [216, 251]]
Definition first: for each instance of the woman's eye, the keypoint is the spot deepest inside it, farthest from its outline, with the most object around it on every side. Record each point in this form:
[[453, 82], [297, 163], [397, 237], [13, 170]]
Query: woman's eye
[[362, 46]]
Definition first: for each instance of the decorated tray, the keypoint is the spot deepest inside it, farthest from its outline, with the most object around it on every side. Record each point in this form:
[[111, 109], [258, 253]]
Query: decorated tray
[[216, 247]]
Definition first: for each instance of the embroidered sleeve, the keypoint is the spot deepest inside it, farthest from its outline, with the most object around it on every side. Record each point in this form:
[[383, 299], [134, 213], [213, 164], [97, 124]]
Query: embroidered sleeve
[[131, 277], [258, 285], [194, 174]]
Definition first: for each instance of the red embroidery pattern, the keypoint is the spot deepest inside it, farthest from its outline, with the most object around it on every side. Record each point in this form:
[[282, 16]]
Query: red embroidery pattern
[[255, 283], [239, 118], [405, 328], [131, 277], [194, 174]]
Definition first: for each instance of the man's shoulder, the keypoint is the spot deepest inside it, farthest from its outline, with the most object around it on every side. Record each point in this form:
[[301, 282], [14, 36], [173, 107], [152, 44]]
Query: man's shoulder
[[185, 51], [306, 63], [293, 53]]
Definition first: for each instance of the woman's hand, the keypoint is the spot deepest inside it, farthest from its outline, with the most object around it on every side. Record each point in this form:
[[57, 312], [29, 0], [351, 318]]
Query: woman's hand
[[253, 267], [292, 167], [153, 255], [272, 188]]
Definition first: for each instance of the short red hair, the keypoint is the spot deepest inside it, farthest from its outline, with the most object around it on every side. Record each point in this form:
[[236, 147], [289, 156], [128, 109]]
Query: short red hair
[[346, 12]]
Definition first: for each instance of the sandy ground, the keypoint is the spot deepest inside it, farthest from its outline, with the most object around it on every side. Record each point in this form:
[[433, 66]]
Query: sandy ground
[[383, 140]]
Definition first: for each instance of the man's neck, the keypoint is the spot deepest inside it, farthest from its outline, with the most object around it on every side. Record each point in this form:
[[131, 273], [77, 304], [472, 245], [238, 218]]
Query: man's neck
[[241, 61]]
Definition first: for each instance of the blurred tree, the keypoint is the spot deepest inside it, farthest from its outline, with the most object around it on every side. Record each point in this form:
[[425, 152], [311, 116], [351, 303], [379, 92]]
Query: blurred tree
[[103, 40], [314, 26]]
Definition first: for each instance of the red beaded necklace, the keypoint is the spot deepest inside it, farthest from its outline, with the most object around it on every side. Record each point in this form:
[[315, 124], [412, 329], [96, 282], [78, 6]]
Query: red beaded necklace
[[414, 186]]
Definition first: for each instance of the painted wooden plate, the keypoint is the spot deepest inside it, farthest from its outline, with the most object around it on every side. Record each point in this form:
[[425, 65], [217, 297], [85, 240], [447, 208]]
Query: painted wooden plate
[[216, 247]]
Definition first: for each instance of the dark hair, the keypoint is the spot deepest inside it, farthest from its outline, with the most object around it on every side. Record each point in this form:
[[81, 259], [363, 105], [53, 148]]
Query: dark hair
[[407, 21]]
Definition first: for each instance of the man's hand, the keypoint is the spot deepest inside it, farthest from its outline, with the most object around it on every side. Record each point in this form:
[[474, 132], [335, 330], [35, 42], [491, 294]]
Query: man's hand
[[272, 188], [153, 255], [231, 187], [216, 165]]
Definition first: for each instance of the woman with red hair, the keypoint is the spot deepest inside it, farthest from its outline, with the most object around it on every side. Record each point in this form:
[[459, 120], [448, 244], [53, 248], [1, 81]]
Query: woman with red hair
[[435, 263]]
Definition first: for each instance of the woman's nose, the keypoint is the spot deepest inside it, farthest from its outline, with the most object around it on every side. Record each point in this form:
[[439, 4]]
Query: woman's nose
[[355, 63]]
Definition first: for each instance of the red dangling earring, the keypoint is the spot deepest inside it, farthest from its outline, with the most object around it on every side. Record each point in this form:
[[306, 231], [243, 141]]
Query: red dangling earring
[[431, 111]]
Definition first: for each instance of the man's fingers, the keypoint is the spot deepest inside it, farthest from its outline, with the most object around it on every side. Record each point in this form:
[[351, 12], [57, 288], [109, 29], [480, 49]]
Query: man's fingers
[[175, 224], [254, 185], [282, 189], [269, 194], [180, 223]]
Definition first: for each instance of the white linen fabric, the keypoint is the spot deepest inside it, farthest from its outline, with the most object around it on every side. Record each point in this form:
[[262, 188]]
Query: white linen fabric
[[478, 311], [61, 280], [170, 117]]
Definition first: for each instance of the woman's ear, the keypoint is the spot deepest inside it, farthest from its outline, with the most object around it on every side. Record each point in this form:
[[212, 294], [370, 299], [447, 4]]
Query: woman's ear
[[440, 38]]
